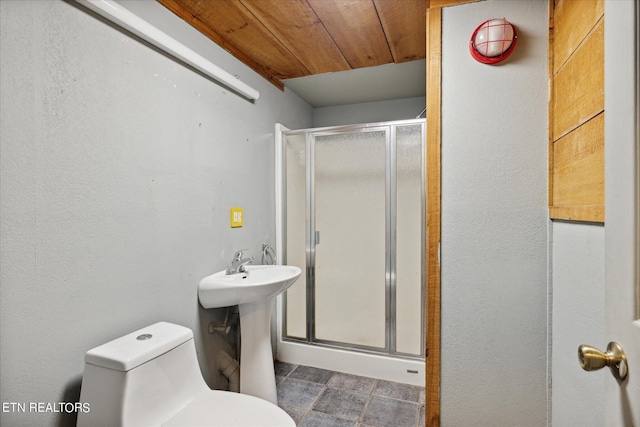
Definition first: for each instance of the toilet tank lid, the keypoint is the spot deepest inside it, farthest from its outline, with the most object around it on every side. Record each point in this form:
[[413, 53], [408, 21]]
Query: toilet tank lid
[[136, 348]]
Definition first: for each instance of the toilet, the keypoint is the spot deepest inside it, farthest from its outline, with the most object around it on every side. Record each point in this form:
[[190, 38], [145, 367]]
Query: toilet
[[151, 377]]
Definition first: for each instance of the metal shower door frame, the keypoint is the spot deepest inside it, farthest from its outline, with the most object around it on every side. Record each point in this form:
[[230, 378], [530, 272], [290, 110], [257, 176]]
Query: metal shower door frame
[[390, 130]]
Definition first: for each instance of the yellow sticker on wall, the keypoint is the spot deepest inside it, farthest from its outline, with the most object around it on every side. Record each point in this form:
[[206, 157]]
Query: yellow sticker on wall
[[236, 217]]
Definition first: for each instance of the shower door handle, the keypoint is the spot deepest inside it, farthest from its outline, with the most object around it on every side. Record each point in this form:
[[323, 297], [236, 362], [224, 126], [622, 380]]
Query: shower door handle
[[317, 238]]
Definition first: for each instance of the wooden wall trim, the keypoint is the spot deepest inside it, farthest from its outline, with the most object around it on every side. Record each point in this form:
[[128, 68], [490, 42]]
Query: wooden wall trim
[[593, 213], [578, 86], [551, 66], [578, 170], [434, 177], [433, 103], [576, 106]]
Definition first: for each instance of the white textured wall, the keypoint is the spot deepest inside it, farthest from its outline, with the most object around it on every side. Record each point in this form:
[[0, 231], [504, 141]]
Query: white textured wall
[[578, 318], [494, 222], [369, 112], [118, 169]]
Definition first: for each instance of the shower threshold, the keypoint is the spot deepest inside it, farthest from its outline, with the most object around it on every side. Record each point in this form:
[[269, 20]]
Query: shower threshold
[[402, 370]]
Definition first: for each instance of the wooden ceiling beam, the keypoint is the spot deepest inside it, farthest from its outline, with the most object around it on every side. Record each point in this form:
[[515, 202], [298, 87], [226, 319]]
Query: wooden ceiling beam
[[283, 39], [355, 27], [234, 28], [298, 29], [404, 23]]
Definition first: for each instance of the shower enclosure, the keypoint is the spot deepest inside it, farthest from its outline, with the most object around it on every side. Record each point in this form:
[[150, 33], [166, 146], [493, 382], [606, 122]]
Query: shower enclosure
[[351, 215]]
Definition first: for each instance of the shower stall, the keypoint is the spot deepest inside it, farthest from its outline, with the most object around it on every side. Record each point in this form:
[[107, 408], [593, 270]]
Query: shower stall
[[351, 214]]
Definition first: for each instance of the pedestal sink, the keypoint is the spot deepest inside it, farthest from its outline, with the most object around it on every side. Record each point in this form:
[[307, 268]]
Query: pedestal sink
[[252, 290]]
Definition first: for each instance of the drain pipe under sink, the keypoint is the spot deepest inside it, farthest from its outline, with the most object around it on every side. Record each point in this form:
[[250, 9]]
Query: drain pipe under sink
[[230, 368]]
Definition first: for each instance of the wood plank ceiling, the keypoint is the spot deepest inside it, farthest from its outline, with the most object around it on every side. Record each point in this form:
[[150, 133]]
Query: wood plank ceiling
[[283, 39]]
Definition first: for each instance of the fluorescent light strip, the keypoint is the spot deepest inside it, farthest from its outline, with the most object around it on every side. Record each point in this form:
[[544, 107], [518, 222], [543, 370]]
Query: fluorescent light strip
[[141, 28]]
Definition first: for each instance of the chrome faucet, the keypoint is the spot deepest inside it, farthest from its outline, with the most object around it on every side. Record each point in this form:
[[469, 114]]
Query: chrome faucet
[[238, 263]]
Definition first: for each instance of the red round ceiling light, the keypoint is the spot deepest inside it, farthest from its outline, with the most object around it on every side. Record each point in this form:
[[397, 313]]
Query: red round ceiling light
[[493, 41]]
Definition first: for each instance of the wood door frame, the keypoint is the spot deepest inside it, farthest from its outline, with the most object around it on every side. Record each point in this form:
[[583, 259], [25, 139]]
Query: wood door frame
[[434, 177], [433, 104]]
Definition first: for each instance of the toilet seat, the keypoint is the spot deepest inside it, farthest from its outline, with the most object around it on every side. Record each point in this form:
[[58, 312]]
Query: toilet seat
[[224, 408]]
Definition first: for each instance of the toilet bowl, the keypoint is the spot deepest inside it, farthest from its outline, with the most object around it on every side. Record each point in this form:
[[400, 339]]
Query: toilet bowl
[[151, 377]]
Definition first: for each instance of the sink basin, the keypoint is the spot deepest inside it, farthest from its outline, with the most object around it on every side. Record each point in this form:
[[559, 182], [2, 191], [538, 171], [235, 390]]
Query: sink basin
[[259, 283], [252, 291]]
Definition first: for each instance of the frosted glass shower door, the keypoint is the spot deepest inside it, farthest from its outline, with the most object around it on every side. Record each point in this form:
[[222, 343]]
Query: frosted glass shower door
[[354, 221], [409, 235], [350, 182], [295, 237]]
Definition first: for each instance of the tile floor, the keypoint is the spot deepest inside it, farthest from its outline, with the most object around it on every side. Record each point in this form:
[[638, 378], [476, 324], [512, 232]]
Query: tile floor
[[319, 398]]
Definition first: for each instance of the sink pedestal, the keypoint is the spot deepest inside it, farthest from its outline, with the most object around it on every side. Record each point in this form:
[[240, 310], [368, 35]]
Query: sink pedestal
[[252, 291], [257, 375]]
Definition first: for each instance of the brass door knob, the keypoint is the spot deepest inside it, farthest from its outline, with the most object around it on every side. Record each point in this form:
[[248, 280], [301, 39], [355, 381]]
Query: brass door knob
[[592, 359]]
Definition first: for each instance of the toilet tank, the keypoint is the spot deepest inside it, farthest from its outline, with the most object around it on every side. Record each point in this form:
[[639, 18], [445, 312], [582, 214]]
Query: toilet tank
[[140, 379]]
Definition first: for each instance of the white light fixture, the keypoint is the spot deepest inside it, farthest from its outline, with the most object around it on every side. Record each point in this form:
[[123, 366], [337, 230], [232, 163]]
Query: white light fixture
[[493, 41], [141, 28]]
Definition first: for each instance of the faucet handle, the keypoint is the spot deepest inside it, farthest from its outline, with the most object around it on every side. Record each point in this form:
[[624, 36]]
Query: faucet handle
[[239, 254]]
